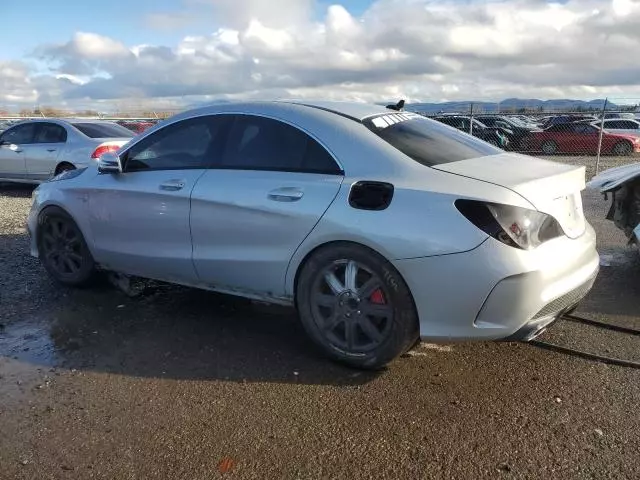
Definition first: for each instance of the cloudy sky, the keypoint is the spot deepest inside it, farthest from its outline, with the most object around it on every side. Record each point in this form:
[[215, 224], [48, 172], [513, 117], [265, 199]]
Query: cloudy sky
[[167, 53]]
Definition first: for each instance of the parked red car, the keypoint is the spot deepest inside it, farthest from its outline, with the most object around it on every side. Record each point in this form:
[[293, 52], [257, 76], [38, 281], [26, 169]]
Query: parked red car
[[136, 126], [581, 137]]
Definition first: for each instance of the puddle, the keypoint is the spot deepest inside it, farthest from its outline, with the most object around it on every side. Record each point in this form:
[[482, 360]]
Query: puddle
[[29, 342], [618, 259]]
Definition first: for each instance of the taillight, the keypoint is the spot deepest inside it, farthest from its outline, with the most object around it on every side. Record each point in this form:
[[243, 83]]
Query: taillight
[[514, 226], [102, 149]]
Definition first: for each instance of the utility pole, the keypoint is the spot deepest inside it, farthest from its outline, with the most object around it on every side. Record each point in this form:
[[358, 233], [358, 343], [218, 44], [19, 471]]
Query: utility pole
[[604, 110]]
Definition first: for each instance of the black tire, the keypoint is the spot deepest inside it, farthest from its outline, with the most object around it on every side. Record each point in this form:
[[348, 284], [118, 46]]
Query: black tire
[[549, 147], [64, 167], [392, 316], [623, 148], [63, 250]]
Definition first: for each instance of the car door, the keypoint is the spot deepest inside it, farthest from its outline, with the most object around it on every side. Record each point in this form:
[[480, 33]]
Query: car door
[[567, 138], [12, 157], [252, 211], [586, 138], [140, 218], [625, 126], [41, 157], [612, 125]]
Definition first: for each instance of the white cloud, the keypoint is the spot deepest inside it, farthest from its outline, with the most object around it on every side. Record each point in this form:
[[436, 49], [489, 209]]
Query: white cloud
[[418, 49]]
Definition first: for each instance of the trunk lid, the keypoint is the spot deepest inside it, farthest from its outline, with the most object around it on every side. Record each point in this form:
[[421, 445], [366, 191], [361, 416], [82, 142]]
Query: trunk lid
[[552, 188], [614, 177], [110, 141]]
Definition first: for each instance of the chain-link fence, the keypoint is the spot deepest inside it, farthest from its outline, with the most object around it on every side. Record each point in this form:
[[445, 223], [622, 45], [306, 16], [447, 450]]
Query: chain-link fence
[[600, 135]]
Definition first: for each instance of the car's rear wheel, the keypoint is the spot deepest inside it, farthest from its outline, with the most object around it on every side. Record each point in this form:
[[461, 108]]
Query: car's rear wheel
[[549, 147], [63, 250], [355, 306], [623, 148]]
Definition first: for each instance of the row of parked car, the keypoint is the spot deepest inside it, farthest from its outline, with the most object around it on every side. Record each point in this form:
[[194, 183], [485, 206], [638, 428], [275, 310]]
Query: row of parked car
[[574, 134], [36, 149]]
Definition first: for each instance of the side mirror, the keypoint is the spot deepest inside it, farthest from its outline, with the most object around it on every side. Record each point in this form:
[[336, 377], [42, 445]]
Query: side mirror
[[109, 163]]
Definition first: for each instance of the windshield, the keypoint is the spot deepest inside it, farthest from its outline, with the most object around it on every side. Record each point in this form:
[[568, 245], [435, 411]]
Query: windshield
[[103, 130], [427, 141], [515, 121]]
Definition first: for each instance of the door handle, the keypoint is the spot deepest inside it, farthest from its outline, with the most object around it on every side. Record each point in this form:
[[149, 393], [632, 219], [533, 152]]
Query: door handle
[[172, 185], [51, 149], [286, 194]]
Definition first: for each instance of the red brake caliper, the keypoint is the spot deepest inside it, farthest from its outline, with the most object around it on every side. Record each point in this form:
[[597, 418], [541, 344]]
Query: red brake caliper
[[377, 298]]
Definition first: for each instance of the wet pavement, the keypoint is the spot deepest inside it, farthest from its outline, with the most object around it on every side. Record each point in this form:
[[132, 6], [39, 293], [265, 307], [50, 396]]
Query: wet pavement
[[178, 383]]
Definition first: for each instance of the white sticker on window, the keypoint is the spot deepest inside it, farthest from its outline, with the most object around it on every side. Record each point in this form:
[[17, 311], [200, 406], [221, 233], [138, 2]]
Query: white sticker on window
[[380, 123], [385, 121]]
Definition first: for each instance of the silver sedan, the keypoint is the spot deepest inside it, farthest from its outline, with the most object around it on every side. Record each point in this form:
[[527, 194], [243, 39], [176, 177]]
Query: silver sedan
[[380, 227], [32, 151]]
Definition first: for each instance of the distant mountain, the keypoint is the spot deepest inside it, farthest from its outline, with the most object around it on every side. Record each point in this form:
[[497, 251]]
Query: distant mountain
[[510, 104]]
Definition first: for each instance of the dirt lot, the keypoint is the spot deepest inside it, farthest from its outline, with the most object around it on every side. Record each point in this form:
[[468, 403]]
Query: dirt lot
[[183, 384]]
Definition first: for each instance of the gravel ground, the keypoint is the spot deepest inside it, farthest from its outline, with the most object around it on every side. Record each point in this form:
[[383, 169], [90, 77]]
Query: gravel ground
[[177, 383]]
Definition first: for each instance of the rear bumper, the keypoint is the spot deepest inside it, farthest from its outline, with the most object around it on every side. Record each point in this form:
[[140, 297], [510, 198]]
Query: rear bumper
[[496, 292], [551, 312]]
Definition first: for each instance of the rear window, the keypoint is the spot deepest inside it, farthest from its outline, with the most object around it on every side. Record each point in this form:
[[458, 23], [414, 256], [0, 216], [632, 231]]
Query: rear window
[[426, 141], [103, 130]]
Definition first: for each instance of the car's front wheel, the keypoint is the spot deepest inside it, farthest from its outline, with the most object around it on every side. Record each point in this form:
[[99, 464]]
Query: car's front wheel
[[549, 147], [63, 249], [623, 148], [355, 306]]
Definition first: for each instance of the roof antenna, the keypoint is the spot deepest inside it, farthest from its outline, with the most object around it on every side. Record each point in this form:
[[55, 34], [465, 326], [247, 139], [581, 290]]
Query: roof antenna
[[398, 106]]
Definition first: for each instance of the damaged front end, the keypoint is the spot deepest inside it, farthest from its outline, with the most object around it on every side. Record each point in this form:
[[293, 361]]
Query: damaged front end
[[623, 183]]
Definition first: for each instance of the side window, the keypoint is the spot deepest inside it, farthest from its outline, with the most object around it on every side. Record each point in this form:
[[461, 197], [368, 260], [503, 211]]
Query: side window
[[258, 143], [20, 135], [628, 125], [562, 128], [50, 133], [318, 160], [191, 143], [583, 129]]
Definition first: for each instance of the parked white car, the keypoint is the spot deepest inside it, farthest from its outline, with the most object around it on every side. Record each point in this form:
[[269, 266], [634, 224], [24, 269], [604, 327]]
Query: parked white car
[[379, 226], [619, 125], [35, 150]]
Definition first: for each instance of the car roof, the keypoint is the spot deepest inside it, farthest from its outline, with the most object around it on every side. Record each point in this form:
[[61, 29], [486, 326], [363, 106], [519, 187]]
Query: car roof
[[357, 111], [63, 120]]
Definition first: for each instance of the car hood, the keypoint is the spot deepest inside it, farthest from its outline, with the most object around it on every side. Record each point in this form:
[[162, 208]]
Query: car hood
[[614, 177], [550, 187]]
